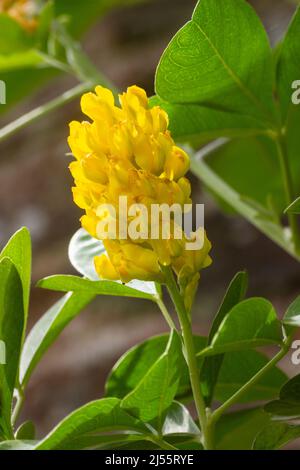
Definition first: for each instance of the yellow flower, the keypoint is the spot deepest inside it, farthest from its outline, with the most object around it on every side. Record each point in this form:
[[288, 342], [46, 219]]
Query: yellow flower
[[128, 151], [23, 11]]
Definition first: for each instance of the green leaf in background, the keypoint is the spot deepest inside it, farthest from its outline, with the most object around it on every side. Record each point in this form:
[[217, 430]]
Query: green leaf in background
[[288, 64], [47, 329], [230, 196], [83, 427], [293, 208], [18, 249], [250, 324], [209, 61], [292, 315], [250, 167], [211, 365], [13, 38], [238, 368], [288, 405], [65, 283], [29, 71], [157, 389], [237, 430], [275, 436], [82, 250], [11, 331]]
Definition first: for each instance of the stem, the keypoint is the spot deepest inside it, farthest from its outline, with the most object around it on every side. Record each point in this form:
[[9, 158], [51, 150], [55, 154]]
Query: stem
[[165, 313], [288, 187], [43, 110], [18, 406], [190, 352], [232, 400], [79, 61]]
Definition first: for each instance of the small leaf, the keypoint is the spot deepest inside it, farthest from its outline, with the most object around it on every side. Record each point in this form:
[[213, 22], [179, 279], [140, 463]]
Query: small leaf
[[67, 283], [293, 208], [292, 315], [179, 421], [157, 389], [47, 329], [18, 249], [288, 405], [83, 427], [211, 365], [250, 324], [11, 331], [82, 250], [26, 431], [275, 436]]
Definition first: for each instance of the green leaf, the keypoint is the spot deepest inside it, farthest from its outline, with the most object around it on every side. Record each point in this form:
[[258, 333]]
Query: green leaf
[[237, 430], [156, 390], [293, 208], [238, 368], [275, 436], [18, 445], [47, 329], [18, 249], [209, 61], [197, 124], [211, 365], [65, 283], [131, 368], [18, 60], [250, 324], [226, 193], [292, 315], [179, 421], [288, 405], [13, 38], [88, 422], [26, 431], [250, 166], [288, 64], [82, 250], [11, 330]]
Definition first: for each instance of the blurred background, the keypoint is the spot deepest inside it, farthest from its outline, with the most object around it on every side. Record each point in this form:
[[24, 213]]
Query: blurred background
[[35, 191]]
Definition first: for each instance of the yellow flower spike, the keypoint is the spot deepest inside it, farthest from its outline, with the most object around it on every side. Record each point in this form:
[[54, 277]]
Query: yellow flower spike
[[177, 163], [128, 151], [130, 261], [105, 269]]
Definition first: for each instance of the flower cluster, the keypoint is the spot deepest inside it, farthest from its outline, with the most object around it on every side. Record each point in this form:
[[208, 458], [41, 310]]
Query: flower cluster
[[23, 11], [128, 151]]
